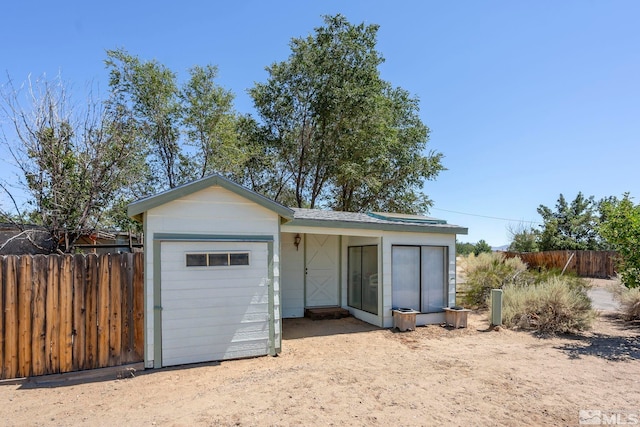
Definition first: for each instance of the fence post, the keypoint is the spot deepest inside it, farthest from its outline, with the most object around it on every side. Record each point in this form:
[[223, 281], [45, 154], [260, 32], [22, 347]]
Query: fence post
[[496, 307]]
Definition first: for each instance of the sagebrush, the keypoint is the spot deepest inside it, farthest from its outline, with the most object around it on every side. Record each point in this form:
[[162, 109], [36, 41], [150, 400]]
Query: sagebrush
[[556, 305], [630, 303], [490, 270]]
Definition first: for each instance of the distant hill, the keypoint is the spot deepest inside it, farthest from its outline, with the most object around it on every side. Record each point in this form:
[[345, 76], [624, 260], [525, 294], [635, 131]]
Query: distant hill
[[500, 248]]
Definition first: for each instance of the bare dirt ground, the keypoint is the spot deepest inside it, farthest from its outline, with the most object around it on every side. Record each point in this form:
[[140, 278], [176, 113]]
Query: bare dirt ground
[[345, 372]]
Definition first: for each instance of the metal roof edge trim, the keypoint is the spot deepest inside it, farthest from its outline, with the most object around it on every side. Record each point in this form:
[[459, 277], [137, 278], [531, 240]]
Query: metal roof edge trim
[[430, 228]]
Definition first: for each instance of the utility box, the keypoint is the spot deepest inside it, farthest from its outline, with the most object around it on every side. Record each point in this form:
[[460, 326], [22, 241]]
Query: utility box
[[404, 319], [496, 307]]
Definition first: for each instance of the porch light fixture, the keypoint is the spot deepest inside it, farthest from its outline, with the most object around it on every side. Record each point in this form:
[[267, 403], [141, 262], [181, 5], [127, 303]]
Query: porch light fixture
[[296, 240]]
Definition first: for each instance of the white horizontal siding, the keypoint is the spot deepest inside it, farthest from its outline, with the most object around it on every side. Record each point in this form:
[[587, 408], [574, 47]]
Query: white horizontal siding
[[292, 276], [214, 210]]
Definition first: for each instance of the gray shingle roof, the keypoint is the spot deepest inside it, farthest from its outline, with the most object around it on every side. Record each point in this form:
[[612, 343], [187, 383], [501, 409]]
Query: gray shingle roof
[[379, 221]]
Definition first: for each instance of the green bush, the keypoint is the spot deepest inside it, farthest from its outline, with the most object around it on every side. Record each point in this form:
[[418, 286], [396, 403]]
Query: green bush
[[555, 305], [630, 303], [481, 247], [464, 249], [620, 227], [491, 270]]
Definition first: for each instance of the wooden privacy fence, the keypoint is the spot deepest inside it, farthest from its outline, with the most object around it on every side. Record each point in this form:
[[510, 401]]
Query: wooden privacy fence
[[63, 313], [583, 263]]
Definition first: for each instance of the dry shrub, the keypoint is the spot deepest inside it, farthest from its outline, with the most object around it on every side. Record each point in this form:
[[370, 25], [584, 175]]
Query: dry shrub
[[556, 305], [630, 303], [491, 271]]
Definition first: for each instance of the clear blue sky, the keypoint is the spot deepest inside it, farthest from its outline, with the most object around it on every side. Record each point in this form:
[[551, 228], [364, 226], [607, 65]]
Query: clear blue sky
[[525, 99]]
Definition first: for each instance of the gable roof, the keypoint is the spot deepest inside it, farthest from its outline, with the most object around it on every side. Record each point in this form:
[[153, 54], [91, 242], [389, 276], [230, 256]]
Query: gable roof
[[137, 208], [299, 216], [373, 220]]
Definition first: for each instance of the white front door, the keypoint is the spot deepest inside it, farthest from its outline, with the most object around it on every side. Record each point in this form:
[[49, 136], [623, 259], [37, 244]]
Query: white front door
[[321, 279]]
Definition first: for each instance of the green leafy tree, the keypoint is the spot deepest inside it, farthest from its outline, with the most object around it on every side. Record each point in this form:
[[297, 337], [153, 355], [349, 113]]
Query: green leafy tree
[[74, 161], [464, 248], [524, 239], [481, 247], [148, 91], [210, 124], [621, 228], [190, 131], [572, 226], [340, 135]]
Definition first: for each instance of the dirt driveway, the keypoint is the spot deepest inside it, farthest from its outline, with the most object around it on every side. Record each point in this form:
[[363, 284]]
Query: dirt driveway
[[345, 372]]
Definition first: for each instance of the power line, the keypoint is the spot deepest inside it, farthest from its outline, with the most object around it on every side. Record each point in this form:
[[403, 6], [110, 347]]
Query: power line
[[487, 216]]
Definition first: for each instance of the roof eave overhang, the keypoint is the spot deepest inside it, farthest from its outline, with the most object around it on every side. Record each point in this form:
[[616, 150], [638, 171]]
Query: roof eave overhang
[[377, 226]]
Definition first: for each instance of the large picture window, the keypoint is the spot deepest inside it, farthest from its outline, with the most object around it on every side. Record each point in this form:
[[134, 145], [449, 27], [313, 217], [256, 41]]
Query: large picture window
[[419, 277], [362, 282]]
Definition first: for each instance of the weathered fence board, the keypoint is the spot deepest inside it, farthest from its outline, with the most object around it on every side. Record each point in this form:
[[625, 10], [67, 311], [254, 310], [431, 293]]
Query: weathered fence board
[[52, 315], [79, 312], [582, 263], [138, 307], [91, 302], [63, 313], [104, 293], [66, 315], [38, 327], [10, 318], [25, 297], [115, 314]]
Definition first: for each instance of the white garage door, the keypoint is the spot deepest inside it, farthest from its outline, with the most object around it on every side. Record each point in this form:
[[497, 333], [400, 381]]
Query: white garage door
[[215, 301]]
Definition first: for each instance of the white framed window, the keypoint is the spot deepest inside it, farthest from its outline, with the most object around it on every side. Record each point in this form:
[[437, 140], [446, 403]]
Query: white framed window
[[217, 259], [362, 281], [418, 275]]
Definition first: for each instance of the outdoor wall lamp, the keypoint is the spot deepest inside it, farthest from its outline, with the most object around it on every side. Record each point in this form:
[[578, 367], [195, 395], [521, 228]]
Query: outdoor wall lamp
[[296, 240]]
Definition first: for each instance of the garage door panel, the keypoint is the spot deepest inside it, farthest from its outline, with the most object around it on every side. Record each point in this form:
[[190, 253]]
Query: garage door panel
[[201, 353], [215, 303], [223, 289], [220, 320], [220, 326], [200, 337], [213, 313], [206, 354], [238, 275], [236, 314]]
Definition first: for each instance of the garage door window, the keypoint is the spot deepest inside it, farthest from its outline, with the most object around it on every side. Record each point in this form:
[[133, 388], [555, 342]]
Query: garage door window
[[217, 259], [196, 260]]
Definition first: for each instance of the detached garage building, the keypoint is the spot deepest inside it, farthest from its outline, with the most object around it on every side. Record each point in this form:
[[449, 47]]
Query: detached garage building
[[224, 265]]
